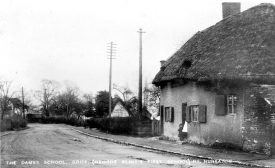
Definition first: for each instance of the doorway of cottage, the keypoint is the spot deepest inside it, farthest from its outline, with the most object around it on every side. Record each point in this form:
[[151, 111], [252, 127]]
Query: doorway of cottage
[[184, 123], [161, 120]]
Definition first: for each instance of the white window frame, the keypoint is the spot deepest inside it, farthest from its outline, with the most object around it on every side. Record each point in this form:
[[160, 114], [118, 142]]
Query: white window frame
[[231, 104], [194, 113], [167, 114]]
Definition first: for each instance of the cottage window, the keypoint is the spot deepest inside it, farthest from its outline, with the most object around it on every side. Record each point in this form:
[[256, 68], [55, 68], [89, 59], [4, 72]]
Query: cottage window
[[169, 114], [231, 104], [195, 113]]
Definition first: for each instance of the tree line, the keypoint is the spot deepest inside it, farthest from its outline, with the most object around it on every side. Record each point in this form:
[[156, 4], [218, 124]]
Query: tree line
[[71, 102]]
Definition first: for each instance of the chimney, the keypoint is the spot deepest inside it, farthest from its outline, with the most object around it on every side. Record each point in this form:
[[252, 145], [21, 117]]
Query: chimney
[[162, 62], [230, 8]]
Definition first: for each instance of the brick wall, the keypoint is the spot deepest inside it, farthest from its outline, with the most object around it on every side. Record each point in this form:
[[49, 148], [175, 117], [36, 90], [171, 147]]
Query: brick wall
[[257, 127]]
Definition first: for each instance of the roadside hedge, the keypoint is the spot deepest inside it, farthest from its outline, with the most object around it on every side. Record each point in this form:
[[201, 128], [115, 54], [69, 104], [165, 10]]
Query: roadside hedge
[[116, 125], [13, 123], [62, 120], [32, 118]]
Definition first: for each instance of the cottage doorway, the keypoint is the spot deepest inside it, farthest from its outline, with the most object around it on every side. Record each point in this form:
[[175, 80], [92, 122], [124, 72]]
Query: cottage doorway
[[184, 123], [161, 119]]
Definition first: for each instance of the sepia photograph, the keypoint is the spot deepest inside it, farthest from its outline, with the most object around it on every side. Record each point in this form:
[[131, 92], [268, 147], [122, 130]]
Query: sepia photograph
[[137, 83]]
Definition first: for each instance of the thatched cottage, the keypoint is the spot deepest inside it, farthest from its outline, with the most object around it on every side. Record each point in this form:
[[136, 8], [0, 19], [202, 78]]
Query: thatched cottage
[[222, 82]]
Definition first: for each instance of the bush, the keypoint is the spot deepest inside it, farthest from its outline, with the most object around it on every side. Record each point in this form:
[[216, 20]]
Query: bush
[[117, 125], [121, 125], [14, 122], [18, 122], [6, 124], [32, 118], [91, 123], [62, 120]]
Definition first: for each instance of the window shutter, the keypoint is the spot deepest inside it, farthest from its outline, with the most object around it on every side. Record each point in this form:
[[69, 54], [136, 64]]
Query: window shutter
[[165, 114], [220, 105], [225, 104], [188, 114], [183, 107], [202, 114], [172, 114], [161, 113]]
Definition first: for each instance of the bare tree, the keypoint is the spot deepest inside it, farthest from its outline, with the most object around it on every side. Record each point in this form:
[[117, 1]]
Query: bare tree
[[126, 93], [5, 97], [88, 97], [151, 96], [71, 100], [47, 94], [89, 105]]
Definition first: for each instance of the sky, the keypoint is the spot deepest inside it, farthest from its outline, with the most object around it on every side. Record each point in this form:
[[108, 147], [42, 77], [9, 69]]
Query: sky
[[66, 40]]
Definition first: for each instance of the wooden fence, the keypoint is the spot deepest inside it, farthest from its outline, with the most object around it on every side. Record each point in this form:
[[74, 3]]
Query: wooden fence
[[147, 128], [156, 128]]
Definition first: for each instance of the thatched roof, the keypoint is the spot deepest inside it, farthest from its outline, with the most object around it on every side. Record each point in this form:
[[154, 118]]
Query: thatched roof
[[239, 47]]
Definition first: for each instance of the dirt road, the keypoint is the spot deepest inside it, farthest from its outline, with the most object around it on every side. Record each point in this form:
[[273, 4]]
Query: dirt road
[[55, 145]]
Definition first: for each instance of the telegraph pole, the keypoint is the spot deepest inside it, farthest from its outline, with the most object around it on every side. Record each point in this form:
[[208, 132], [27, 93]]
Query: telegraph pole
[[23, 103], [140, 73], [111, 53]]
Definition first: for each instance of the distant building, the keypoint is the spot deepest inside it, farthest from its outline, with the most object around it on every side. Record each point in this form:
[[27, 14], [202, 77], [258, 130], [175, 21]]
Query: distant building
[[14, 107], [222, 82], [119, 110]]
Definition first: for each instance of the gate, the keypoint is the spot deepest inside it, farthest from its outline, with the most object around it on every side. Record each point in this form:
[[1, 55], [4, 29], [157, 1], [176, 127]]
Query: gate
[[156, 127]]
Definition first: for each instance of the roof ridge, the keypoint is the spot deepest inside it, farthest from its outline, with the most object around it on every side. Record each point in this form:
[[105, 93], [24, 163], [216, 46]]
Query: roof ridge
[[234, 46], [269, 5], [266, 4]]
